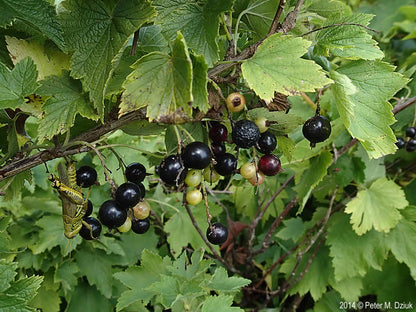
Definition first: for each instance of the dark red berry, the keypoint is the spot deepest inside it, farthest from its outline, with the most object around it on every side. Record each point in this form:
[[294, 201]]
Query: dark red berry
[[316, 129], [140, 226], [400, 143], [135, 172], [172, 171], [225, 164], [217, 234], [267, 143], [218, 132], [93, 232], [111, 214], [196, 155], [245, 133], [218, 149], [86, 176], [411, 132], [128, 195], [269, 164]]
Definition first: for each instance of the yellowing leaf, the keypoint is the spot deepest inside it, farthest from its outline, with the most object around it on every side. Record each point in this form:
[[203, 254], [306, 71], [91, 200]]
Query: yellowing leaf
[[51, 63], [277, 66], [377, 207]]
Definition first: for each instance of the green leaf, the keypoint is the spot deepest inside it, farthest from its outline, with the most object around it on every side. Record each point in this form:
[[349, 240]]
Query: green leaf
[[161, 82], [327, 8], [167, 289], [401, 241], [198, 24], [66, 274], [17, 83], [52, 234], [286, 146], [282, 123], [277, 66], [353, 255], [88, 298], [316, 278], [329, 302], [349, 288], [293, 229], [362, 89], [65, 103], [46, 299], [13, 304], [311, 177], [348, 169], [50, 61], [348, 41], [222, 283], [97, 268], [199, 82], [37, 13], [377, 207], [106, 26], [7, 274], [219, 303], [137, 279], [25, 288]]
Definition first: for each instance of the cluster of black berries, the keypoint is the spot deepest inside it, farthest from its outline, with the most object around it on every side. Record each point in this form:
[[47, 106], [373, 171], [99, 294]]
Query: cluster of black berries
[[128, 210], [86, 177], [409, 144]]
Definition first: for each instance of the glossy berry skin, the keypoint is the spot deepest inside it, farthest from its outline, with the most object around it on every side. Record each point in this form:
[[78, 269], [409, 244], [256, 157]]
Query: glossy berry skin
[[125, 227], [257, 179], [193, 178], [86, 176], [142, 190], [245, 133], [88, 212], [316, 129], [172, 171], [141, 210], [217, 234], [95, 228], [218, 149], [261, 122], [128, 195], [218, 132], [225, 164], [111, 215], [235, 102], [194, 197], [411, 145], [248, 170], [410, 132], [269, 164], [400, 143], [267, 143], [140, 226], [196, 155], [210, 175], [135, 172]]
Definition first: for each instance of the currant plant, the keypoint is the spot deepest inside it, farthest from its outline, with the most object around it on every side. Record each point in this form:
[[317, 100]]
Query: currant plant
[[220, 155]]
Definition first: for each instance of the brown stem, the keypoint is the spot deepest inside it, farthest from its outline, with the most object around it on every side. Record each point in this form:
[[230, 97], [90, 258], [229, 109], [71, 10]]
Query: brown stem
[[339, 24], [275, 24]]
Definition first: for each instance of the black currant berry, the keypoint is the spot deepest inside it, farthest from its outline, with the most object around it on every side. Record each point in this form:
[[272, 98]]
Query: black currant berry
[[269, 164], [86, 176], [316, 129], [88, 212], [128, 195], [218, 132], [267, 143], [196, 155], [172, 171], [245, 133], [411, 132], [225, 164], [218, 149], [140, 226], [217, 234], [95, 230], [411, 145], [135, 172], [111, 215], [400, 143], [142, 190]]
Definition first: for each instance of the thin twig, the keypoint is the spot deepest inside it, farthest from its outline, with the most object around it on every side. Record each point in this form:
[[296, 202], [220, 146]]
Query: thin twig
[[275, 24], [134, 44]]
